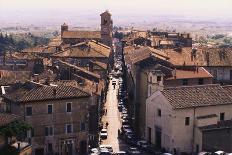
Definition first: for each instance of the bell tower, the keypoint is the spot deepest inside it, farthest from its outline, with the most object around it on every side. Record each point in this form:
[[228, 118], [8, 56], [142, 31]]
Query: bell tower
[[106, 28]]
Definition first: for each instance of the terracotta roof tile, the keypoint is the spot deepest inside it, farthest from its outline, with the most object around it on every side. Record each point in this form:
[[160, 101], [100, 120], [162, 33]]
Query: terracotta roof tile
[[189, 74], [196, 96], [44, 93], [85, 50], [7, 118], [82, 34]]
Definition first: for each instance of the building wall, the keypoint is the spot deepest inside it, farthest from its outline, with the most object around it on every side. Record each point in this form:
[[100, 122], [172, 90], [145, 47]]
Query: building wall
[[180, 135], [191, 82], [218, 139], [223, 74], [142, 96], [155, 102], [40, 119]]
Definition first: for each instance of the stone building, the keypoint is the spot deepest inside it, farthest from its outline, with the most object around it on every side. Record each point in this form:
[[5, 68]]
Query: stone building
[[146, 67], [58, 115], [104, 36], [175, 117]]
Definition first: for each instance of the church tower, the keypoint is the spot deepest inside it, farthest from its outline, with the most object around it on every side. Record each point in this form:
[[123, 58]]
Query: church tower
[[106, 28], [64, 27]]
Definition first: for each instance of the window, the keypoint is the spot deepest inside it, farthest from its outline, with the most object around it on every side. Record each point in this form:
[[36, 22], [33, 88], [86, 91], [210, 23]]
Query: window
[[158, 78], [48, 131], [185, 82], [187, 121], [151, 79], [230, 74], [159, 112], [28, 111], [68, 107], [69, 128], [200, 81], [215, 74], [222, 116], [50, 110], [82, 126]]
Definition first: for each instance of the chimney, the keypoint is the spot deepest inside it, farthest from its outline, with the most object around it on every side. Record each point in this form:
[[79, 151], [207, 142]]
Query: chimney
[[96, 87], [54, 91]]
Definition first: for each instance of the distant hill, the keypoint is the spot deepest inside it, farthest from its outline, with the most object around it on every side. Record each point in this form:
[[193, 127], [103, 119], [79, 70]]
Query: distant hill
[[17, 42]]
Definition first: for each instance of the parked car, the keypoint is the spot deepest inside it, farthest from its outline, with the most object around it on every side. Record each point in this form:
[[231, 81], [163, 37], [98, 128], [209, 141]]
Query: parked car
[[133, 150], [204, 153], [142, 144], [108, 147], [103, 134], [119, 153], [219, 153], [94, 151], [105, 151]]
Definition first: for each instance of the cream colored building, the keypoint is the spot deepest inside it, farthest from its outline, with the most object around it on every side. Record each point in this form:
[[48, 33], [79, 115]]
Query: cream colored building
[[174, 116]]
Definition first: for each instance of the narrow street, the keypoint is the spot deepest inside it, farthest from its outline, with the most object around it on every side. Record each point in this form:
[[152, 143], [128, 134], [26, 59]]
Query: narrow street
[[113, 118]]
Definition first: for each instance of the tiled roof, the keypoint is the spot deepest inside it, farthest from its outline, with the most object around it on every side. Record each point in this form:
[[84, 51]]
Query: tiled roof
[[80, 69], [11, 77], [24, 56], [7, 118], [85, 50], [196, 96], [228, 89], [219, 125], [100, 64], [82, 34], [36, 49], [218, 56], [183, 57], [55, 42], [44, 93], [190, 74], [141, 53]]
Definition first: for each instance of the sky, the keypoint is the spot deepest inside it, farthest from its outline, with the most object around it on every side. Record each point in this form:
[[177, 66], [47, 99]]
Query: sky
[[55, 8]]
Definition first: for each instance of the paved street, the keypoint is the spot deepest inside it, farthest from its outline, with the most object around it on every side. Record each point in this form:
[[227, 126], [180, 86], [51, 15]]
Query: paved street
[[113, 118]]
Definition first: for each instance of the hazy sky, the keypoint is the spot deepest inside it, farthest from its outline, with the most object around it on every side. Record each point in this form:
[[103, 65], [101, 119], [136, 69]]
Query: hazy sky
[[118, 8], [193, 7]]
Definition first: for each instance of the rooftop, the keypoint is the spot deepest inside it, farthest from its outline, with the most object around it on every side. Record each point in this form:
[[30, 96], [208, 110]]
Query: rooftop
[[81, 34], [27, 93], [7, 118], [199, 72], [197, 96]]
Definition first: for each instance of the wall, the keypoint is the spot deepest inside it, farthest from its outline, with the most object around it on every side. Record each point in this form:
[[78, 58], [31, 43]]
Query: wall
[[175, 134], [40, 119], [155, 102], [191, 82], [218, 139], [223, 73]]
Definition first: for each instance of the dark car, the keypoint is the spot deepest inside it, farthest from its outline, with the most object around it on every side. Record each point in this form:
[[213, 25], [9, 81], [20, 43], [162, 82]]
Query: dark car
[[133, 150]]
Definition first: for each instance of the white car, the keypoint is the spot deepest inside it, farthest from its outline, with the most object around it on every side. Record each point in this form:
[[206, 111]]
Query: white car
[[103, 134], [220, 152], [108, 147]]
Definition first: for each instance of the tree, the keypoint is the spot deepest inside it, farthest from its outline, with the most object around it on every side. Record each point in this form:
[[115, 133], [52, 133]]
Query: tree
[[14, 129], [118, 35]]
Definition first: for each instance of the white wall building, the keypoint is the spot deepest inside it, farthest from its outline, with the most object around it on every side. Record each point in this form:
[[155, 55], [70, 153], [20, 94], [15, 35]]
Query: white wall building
[[174, 115]]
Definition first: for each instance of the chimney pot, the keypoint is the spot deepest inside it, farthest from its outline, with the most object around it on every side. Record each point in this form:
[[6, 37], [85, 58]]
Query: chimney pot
[[54, 91]]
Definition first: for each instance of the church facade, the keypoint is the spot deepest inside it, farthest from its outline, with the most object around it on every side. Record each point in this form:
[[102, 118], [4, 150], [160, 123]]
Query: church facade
[[104, 36]]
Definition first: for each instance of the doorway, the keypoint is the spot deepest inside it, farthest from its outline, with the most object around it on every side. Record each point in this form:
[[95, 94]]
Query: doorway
[[158, 134]]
